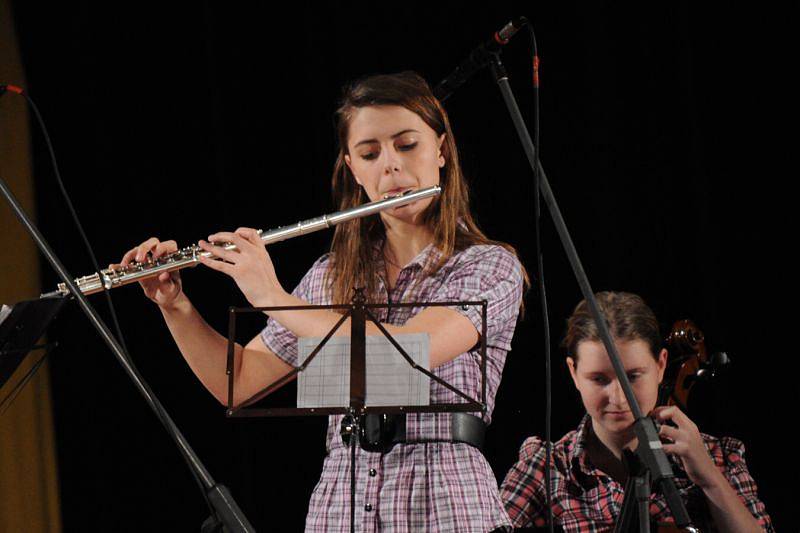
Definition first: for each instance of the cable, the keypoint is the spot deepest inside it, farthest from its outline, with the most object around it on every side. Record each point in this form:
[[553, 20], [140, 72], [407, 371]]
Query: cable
[[75, 218], [159, 413], [540, 284]]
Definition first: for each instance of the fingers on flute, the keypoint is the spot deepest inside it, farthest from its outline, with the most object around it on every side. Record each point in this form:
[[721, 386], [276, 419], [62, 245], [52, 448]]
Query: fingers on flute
[[249, 234], [145, 248], [220, 266], [217, 251], [164, 248], [225, 236], [129, 256], [151, 246]]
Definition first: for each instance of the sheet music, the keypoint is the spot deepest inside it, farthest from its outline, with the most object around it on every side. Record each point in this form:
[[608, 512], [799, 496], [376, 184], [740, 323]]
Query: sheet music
[[390, 378]]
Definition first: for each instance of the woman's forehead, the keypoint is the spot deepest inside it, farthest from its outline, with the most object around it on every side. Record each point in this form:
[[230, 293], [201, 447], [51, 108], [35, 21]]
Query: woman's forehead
[[380, 122], [592, 355]]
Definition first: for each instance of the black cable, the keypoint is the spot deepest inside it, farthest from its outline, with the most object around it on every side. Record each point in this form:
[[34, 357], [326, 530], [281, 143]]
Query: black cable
[[164, 420], [540, 284], [75, 218]]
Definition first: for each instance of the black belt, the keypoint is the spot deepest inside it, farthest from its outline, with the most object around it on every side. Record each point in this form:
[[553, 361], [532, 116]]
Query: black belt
[[379, 433]]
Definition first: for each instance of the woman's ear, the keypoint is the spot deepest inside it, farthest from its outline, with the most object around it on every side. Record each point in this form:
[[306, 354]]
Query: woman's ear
[[662, 363], [439, 155], [572, 365], [350, 166]]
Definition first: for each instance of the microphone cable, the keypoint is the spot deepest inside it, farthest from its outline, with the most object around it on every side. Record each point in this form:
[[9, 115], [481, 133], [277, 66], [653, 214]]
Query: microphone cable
[[548, 390], [120, 338], [18, 90], [476, 60]]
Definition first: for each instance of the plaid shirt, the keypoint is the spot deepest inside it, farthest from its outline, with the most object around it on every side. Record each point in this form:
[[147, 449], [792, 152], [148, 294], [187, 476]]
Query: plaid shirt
[[439, 486], [585, 499]]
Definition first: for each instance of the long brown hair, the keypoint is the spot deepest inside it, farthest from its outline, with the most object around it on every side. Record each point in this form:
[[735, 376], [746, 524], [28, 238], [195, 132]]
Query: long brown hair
[[628, 318], [354, 243]]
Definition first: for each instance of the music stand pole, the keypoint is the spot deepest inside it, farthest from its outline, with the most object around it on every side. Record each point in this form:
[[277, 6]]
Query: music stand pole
[[218, 497], [358, 387]]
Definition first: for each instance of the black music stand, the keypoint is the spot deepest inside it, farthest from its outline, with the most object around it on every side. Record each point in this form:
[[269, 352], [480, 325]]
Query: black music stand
[[359, 312], [19, 332]]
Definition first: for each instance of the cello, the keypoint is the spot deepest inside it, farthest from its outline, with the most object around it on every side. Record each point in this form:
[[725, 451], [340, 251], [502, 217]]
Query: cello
[[688, 363]]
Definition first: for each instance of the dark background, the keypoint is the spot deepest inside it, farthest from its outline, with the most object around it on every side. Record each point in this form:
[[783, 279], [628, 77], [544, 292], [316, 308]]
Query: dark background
[[660, 130]]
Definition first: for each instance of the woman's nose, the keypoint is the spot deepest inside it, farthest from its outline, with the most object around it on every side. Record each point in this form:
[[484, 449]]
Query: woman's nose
[[391, 162], [616, 395]]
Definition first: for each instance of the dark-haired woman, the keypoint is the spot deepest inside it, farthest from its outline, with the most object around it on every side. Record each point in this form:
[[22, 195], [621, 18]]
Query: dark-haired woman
[[588, 477], [394, 136]]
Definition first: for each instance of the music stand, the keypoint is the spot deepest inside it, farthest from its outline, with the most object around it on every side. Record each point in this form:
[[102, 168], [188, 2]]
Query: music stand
[[19, 332], [359, 312]]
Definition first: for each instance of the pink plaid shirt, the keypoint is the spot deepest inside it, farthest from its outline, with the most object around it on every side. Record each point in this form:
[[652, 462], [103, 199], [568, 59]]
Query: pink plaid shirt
[[438, 486]]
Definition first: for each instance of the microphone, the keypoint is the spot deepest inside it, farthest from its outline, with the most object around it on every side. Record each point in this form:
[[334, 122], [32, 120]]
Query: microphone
[[477, 59]]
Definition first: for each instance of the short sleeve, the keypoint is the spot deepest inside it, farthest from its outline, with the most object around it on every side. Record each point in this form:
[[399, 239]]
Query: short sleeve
[[311, 288], [729, 456], [489, 273], [522, 490]]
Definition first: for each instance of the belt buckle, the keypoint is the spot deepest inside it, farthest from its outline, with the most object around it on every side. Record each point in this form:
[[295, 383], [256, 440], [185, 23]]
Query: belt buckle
[[379, 432]]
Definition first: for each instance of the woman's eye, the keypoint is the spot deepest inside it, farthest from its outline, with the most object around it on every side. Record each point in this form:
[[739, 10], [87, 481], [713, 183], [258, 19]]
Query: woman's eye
[[633, 377], [369, 156], [407, 147], [600, 380]]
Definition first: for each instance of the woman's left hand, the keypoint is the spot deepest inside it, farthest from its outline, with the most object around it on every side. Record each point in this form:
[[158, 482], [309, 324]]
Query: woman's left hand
[[684, 440], [250, 266]]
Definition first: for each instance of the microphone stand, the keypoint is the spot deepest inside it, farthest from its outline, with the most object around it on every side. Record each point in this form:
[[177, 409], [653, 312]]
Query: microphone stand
[[226, 515], [655, 465]]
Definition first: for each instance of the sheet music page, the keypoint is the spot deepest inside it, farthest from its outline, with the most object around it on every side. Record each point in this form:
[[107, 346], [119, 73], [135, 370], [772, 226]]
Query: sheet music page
[[390, 378]]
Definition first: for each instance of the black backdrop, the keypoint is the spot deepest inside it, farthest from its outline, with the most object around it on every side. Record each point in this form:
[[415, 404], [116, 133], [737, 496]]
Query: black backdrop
[[177, 121]]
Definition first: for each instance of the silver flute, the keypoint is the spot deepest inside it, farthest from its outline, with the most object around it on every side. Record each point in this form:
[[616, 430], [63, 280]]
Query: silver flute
[[190, 256]]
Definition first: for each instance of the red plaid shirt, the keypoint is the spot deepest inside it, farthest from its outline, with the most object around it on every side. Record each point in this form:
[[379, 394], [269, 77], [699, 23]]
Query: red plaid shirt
[[438, 486], [585, 499]]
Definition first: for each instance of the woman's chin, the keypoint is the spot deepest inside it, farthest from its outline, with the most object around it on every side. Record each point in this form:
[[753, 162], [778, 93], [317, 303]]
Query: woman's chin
[[407, 214], [617, 423]]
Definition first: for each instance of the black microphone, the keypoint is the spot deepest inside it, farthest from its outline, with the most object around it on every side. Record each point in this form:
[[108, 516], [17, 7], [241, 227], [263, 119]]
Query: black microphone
[[477, 59]]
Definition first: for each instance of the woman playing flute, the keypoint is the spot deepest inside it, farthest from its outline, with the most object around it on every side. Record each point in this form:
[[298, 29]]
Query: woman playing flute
[[394, 136]]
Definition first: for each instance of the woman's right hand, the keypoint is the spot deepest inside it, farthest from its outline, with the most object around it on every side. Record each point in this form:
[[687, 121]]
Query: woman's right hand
[[164, 289]]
